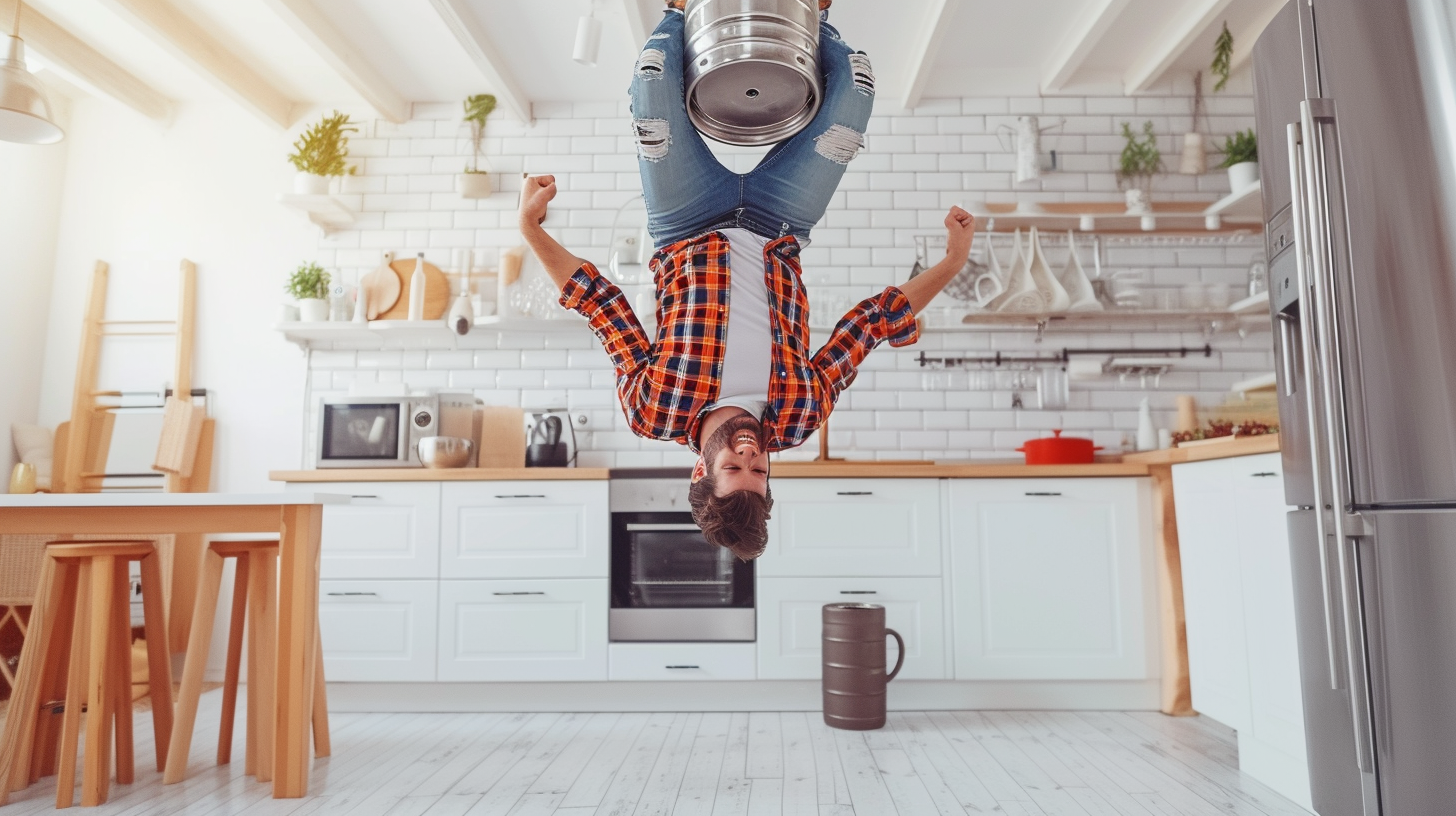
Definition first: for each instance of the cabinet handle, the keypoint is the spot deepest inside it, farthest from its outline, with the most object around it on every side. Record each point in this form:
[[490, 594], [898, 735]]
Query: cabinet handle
[[376, 498], [522, 496], [856, 492], [353, 594], [1043, 494], [518, 593], [858, 592], [1265, 475], [682, 667]]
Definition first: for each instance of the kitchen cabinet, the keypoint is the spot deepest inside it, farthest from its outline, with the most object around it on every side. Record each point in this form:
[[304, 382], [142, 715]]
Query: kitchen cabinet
[[790, 623], [681, 661], [524, 530], [1238, 597], [378, 631], [523, 630], [1052, 579], [390, 530], [854, 527]]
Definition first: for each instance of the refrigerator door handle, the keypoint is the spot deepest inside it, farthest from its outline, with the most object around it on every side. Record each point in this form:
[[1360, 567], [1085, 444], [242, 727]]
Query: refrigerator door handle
[[1333, 641], [1320, 142]]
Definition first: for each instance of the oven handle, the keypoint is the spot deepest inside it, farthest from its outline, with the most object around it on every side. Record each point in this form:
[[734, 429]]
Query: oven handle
[[663, 528]]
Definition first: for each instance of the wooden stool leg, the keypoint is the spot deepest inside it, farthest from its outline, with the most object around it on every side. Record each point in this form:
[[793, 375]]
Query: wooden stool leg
[[234, 661], [121, 672], [263, 612], [250, 739], [198, 641], [76, 689], [159, 655], [96, 780], [322, 745], [47, 729], [25, 694]]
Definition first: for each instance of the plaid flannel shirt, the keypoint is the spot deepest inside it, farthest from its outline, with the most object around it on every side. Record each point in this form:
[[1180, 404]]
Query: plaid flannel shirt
[[668, 386]]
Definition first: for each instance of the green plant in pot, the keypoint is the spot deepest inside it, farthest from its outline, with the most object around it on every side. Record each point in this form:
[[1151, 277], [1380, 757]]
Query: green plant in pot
[[1241, 159], [309, 285], [319, 154], [475, 181], [1139, 162]]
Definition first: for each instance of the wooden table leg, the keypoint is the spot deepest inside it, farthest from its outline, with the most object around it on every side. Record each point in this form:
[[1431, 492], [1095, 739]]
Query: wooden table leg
[[25, 696], [296, 649], [1177, 694]]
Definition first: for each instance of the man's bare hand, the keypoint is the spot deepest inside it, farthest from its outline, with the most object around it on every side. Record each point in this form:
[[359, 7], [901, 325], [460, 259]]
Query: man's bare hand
[[536, 193], [960, 230]]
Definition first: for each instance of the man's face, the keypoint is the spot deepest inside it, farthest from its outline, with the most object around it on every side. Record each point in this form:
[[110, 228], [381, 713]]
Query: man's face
[[736, 455]]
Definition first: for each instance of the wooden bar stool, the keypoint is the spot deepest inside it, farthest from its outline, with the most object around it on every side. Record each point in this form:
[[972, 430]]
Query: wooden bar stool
[[77, 659], [255, 596]]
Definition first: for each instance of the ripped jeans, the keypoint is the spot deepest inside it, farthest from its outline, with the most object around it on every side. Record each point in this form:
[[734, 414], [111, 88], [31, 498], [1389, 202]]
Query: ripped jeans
[[688, 192]]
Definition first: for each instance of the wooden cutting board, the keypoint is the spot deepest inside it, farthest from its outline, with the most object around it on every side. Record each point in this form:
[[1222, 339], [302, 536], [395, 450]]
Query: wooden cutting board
[[379, 290], [437, 291]]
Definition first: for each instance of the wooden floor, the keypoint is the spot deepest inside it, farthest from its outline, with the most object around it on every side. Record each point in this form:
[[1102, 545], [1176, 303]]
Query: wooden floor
[[922, 764]]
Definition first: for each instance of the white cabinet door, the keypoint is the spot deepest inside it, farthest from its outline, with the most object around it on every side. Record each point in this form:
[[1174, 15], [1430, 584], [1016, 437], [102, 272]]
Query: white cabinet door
[[390, 530], [1052, 579], [1205, 500], [681, 661], [525, 530], [378, 631], [523, 630], [790, 623], [849, 527]]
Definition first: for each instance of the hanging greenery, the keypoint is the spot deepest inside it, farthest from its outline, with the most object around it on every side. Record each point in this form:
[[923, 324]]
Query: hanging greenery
[[1239, 148], [323, 147], [477, 107], [1140, 159], [1223, 54], [308, 281]]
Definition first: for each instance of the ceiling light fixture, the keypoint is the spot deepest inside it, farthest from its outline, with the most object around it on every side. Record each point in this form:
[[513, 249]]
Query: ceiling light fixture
[[25, 114], [588, 38]]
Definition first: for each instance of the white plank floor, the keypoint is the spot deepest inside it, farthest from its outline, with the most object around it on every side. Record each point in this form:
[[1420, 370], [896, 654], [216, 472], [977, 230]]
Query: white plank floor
[[1018, 763]]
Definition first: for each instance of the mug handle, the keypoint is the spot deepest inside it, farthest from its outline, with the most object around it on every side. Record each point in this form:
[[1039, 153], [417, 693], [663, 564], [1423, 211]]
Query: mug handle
[[997, 288], [899, 661]]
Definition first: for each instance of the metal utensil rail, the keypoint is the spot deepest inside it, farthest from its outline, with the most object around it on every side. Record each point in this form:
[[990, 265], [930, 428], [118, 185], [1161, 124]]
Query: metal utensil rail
[[1059, 358]]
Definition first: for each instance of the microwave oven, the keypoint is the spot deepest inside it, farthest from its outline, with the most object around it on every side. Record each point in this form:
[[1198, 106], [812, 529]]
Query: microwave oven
[[374, 432]]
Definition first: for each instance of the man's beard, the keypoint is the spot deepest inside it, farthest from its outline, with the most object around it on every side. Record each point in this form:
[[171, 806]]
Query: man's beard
[[723, 437]]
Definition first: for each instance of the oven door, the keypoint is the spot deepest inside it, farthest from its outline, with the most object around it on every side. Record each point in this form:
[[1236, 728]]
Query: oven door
[[670, 584], [363, 433]]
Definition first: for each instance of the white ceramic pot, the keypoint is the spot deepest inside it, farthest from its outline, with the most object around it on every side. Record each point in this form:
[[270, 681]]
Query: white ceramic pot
[[1243, 175], [1137, 201], [313, 310], [310, 184], [473, 185]]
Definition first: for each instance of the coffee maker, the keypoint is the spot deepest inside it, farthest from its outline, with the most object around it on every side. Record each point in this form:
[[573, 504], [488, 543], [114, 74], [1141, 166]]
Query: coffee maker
[[550, 438]]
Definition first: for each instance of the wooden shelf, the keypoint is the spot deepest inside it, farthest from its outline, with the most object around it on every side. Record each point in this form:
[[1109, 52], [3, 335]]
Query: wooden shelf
[[1111, 217], [1111, 320], [414, 334], [330, 213]]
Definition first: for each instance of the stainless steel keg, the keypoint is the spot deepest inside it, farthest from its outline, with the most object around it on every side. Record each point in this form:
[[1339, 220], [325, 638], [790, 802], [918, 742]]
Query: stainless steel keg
[[752, 68]]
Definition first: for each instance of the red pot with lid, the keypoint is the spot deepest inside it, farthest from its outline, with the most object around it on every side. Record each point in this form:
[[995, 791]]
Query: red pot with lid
[[1059, 450]]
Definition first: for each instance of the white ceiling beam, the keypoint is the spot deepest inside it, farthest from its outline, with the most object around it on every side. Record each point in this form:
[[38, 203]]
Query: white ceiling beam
[[91, 68], [197, 47], [1172, 44], [471, 36], [1085, 36], [1244, 40], [926, 47], [637, 28], [352, 66]]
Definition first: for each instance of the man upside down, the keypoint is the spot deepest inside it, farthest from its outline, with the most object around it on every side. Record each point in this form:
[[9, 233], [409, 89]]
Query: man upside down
[[730, 373]]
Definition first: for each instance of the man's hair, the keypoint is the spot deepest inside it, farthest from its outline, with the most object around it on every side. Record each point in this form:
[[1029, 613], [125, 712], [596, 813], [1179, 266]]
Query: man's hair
[[737, 521]]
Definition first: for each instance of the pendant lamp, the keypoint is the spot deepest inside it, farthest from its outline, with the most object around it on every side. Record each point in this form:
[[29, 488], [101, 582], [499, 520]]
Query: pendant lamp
[[25, 114]]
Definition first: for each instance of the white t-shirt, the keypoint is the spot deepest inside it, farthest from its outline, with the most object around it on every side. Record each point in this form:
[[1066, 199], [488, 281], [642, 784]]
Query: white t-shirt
[[748, 356]]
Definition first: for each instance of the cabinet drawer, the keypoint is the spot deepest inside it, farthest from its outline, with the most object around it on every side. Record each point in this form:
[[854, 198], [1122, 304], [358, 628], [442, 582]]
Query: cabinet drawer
[[869, 527], [790, 623], [378, 631], [390, 530], [523, 630], [524, 530], [681, 661]]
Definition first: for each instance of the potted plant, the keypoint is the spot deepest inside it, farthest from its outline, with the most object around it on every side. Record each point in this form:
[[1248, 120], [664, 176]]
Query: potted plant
[[475, 181], [320, 152], [1241, 159], [1139, 162], [309, 285]]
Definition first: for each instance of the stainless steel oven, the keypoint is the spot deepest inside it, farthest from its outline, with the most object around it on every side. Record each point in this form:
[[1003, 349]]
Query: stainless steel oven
[[668, 582]]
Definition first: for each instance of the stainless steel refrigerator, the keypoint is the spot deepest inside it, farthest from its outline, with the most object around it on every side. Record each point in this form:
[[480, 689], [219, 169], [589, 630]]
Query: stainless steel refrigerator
[[1356, 112]]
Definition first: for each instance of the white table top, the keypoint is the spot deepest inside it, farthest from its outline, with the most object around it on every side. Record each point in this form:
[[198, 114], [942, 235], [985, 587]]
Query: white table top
[[168, 499]]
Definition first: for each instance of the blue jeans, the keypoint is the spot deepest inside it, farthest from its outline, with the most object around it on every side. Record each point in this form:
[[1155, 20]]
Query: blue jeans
[[688, 192]]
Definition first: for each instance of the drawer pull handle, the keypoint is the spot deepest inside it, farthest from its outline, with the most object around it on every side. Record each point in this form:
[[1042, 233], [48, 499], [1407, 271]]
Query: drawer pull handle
[[1043, 494], [856, 492], [376, 498], [517, 593], [522, 496], [1268, 475], [682, 667], [353, 594], [858, 592]]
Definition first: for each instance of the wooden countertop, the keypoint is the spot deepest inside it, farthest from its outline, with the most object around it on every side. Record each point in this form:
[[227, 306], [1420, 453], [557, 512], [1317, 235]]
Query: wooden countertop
[[441, 475], [782, 470], [1241, 446]]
